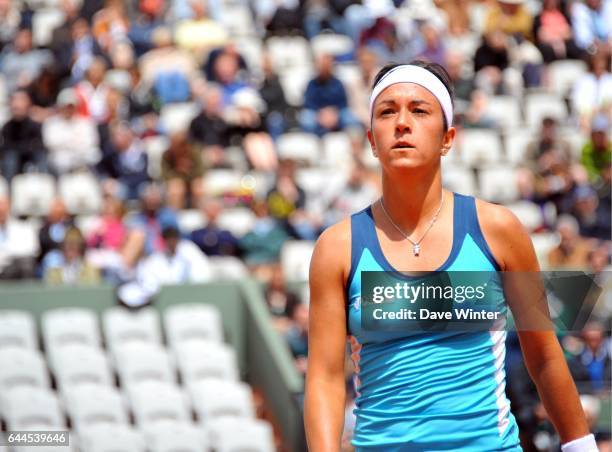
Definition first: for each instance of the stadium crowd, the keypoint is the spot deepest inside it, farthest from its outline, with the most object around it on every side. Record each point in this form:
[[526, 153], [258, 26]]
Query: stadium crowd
[[206, 135]]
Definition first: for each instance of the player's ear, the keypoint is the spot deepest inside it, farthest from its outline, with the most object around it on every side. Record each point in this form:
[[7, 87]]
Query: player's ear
[[448, 140], [372, 142]]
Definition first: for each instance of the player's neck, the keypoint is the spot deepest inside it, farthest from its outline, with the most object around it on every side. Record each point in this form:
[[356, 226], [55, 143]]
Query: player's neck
[[412, 201]]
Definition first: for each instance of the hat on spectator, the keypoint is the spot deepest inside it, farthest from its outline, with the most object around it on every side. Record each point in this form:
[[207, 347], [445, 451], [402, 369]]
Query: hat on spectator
[[512, 2], [67, 97], [600, 123], [583, 192]]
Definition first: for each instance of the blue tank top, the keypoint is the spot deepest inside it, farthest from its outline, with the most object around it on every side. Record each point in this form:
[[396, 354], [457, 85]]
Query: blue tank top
[[429, 391]]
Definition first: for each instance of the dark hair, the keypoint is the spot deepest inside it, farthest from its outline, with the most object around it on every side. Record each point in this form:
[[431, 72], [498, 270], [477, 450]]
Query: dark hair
[[436, 69]]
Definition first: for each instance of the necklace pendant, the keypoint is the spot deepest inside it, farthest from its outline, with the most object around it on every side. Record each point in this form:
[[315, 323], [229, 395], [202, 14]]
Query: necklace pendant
[[416, 249]]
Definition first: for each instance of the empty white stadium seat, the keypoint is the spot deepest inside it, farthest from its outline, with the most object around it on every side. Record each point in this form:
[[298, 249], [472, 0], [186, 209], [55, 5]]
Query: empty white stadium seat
[[214, 397], [190, 219], [286, 52], [121, 325], [199, 359], [300, 146], [543, 243], [155, 148], [172, 436], [154, 401], [177, 117], [140, 361], [238, 20], [498, 184], [17, 328], [332, 44], [111, 438], [459, 178], [255, 435], [228, 268], [4, 191], [337, 150], [220, 181], [295, 259], [237, 220], [91, 404], [516, 142], [321, 182], [294, 81], [75, 364], [192, 321], [506, 110], [70, 325], [81, 192], [528, 213], [541, 105], [22, 367], [32, 193], [479, 146], [44, 22], [564, 73], [25, 407]]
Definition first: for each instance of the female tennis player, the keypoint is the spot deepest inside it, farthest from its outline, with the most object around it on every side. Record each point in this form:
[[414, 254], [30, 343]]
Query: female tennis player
[[428, 391]]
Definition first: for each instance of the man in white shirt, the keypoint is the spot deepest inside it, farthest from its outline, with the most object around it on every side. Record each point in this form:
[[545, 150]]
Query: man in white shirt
[[18, 245], [72, 140], [181, 262]]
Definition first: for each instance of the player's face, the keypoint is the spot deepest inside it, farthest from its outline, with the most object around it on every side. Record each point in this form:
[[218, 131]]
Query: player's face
[[408, 128]]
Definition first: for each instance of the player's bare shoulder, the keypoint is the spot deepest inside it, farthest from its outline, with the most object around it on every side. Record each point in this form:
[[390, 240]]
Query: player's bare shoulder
[[503, 231], [332, 253]]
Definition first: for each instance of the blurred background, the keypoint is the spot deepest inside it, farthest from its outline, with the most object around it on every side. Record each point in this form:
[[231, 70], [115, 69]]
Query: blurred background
[[167, 166]]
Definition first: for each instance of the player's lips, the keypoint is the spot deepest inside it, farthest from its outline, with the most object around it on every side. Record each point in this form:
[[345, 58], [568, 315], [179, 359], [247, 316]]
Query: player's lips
[[403, 145]]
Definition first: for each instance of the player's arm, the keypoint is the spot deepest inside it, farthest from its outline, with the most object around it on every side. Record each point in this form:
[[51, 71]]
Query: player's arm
[[524, 291], [325, 384]]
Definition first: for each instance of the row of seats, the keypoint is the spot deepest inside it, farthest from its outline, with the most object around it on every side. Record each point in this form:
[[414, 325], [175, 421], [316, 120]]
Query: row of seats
[[209, 401]]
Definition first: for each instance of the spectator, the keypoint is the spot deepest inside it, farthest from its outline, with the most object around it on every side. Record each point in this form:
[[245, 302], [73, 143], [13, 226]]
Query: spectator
[[547, 140], [68, 265], [212, 239], [591, 21], [492, 66], [9, 21], [356, 195], [463, 85], [72, 140], [597, 152], [433, 49], [281, 301], [593, 216], [573, 250], [593, 91], [145, 228], [92, 92], [110, 24], [297, 336], [18, 245], [594, 361], [142, 28], [125, 161], [22, 145], [476, 114], [261, 246], [168, 68], [199, 33], [226, 73], [553, 34], [62, 38], [21, 62], [182, 170], [178, 262], [82, 51], [286, 198], [279, 17], [325, 103], [228, 49], [358, 89], [510, 17], [209, 129], [43, 93], [54, 228], [273, 95]]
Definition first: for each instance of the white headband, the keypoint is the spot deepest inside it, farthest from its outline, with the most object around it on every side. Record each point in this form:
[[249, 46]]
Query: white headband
[[416, 74]]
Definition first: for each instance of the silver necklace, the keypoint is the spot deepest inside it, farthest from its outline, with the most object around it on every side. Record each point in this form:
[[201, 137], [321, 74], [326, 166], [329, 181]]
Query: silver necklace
[[416, 246]]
